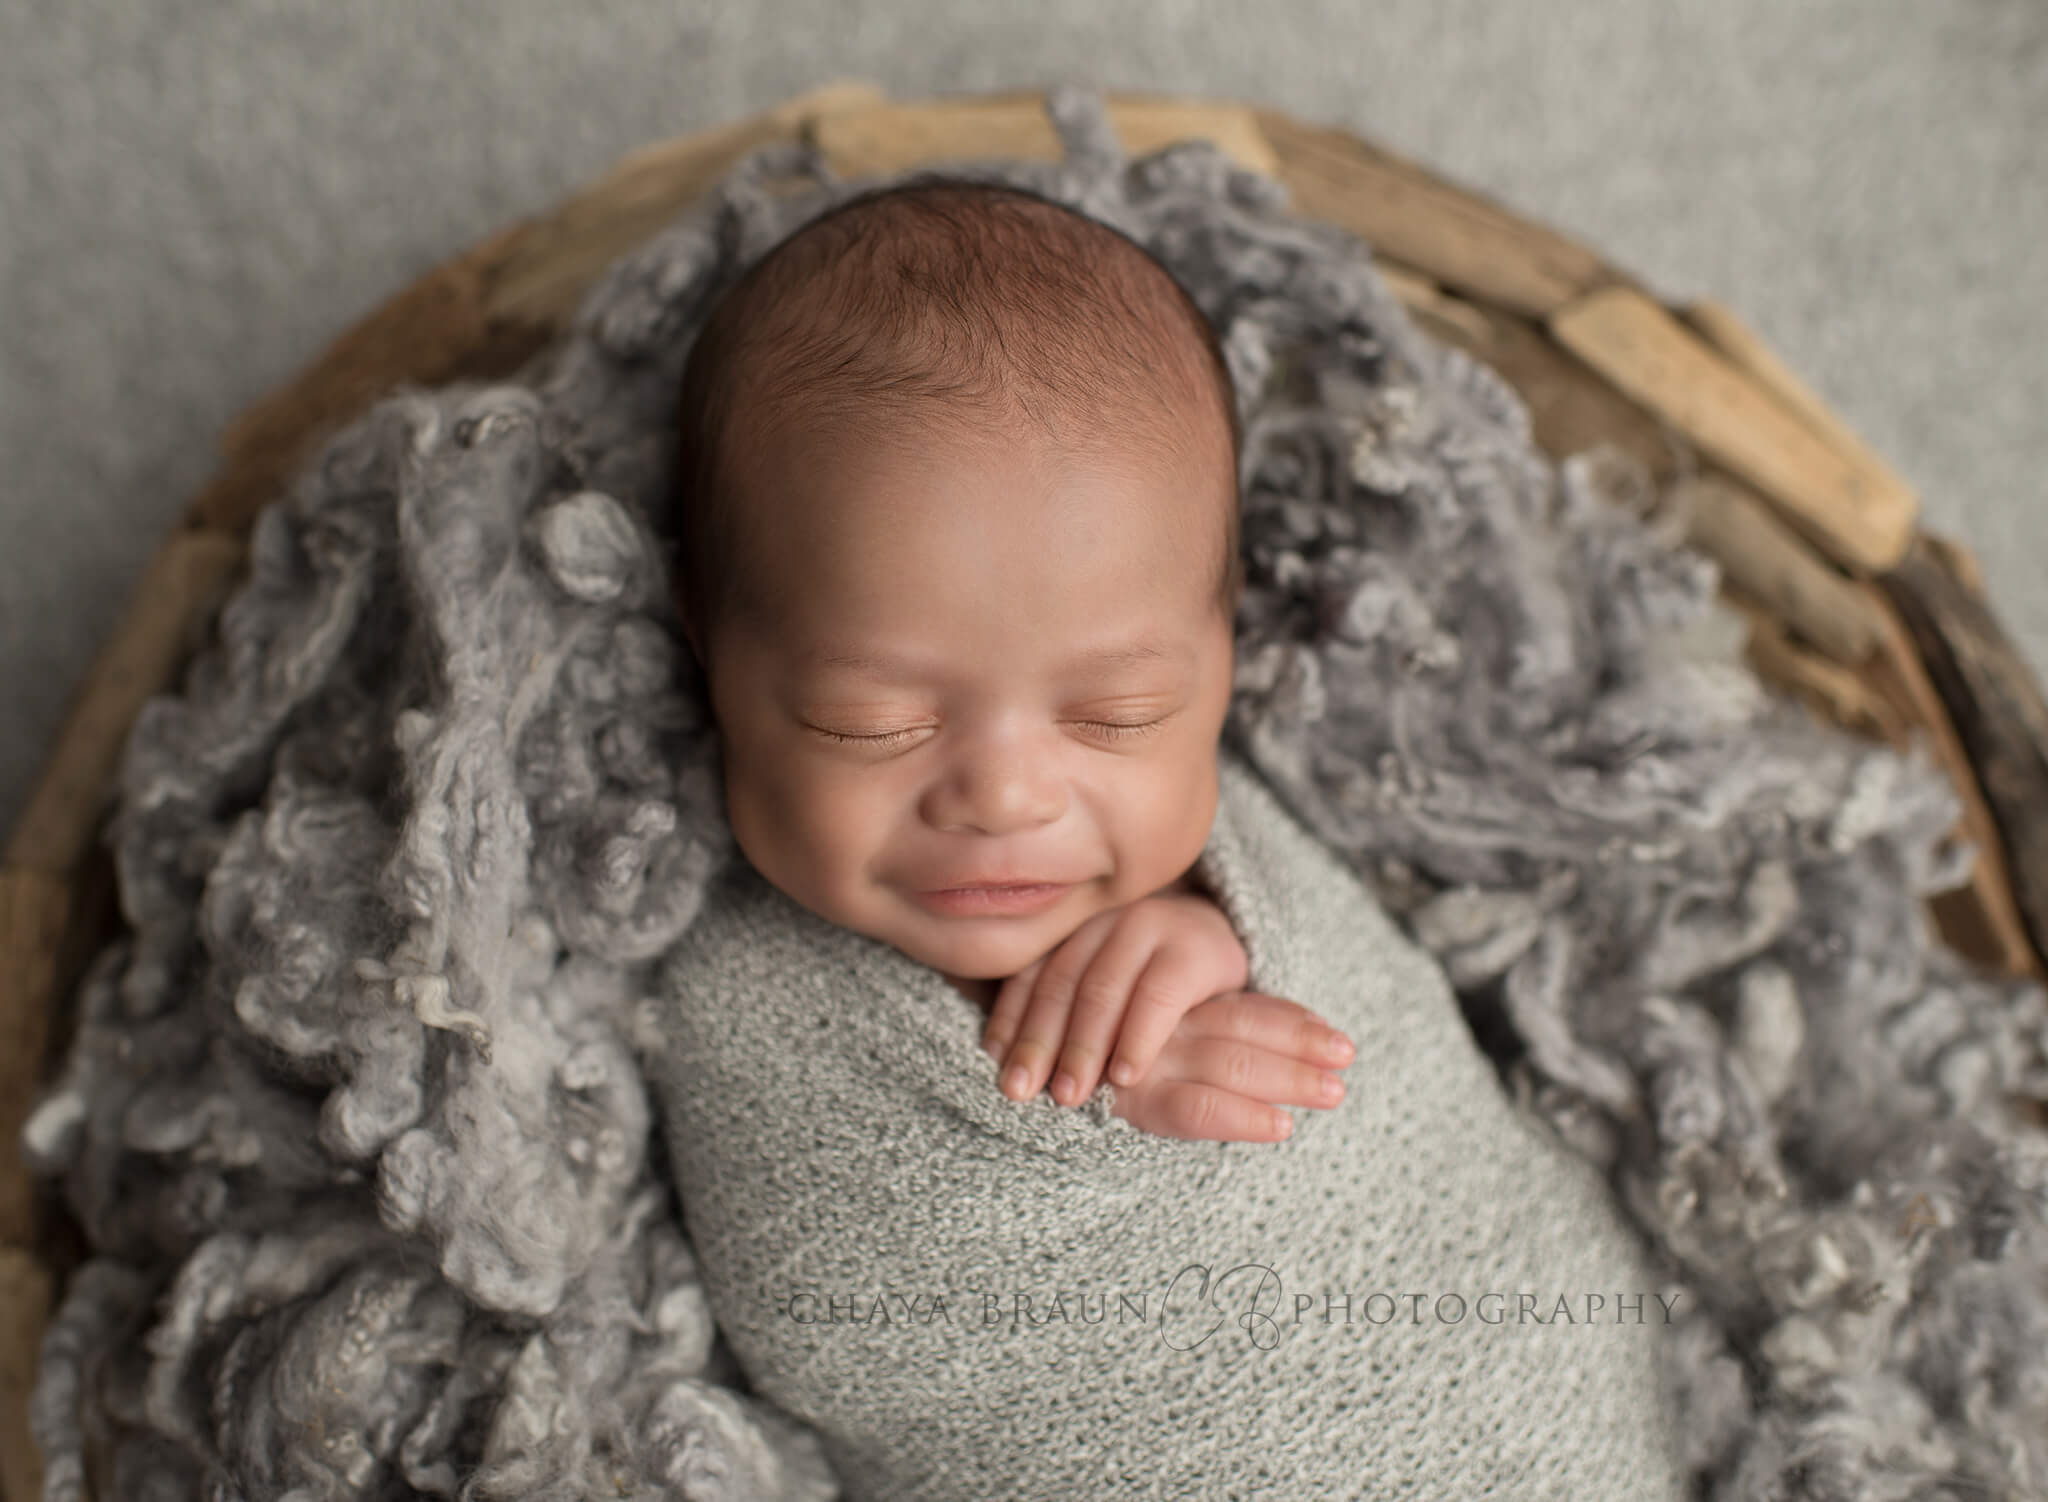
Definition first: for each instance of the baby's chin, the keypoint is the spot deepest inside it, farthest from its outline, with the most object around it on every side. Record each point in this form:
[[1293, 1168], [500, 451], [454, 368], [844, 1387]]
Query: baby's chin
[[981, 948], [983, 956]]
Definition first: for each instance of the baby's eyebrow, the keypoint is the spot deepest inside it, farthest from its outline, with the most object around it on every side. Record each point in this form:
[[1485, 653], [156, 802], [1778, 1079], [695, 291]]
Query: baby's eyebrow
[[882, 664]]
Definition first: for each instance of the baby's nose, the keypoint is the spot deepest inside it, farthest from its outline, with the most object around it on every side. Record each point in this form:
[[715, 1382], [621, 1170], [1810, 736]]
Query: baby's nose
[[998, 798]]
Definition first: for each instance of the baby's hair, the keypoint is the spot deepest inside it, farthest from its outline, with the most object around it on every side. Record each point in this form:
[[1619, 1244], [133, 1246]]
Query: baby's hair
[[938, 300]]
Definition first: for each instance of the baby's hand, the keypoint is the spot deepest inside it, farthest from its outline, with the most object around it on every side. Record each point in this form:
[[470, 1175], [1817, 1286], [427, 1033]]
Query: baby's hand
[[1232, 1060], [1129, 975]]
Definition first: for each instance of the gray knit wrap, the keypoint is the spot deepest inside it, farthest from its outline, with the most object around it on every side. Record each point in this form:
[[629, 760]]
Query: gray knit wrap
[[1420, 1293], [356, 1118]]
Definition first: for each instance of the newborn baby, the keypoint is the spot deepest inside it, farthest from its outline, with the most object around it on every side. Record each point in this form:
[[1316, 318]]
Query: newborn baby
[[960, 564]]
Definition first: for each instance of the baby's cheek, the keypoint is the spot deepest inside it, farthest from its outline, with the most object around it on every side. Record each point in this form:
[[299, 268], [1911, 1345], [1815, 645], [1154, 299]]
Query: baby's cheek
[[770, 824]]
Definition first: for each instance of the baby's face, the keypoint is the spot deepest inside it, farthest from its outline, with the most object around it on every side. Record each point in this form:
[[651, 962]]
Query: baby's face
[[986, 740]]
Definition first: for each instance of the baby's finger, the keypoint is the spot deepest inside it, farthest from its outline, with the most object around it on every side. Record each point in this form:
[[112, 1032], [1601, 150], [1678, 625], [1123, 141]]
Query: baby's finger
[[1199, 1112], [1113, 982], [1043, 1026], [1170, 985], [1008, 1010], [1274, 1078], [1274, 1023]]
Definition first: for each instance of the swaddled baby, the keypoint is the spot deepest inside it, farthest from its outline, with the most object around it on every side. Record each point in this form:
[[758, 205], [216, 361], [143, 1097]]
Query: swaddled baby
[[960, 563]]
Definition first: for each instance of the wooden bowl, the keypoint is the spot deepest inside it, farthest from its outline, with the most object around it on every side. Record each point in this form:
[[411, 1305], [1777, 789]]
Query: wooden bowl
[[1882, 627]]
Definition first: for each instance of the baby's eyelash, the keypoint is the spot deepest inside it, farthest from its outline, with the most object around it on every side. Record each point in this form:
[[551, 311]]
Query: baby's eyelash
[[891, 737], [884, 739], [1120, 732]]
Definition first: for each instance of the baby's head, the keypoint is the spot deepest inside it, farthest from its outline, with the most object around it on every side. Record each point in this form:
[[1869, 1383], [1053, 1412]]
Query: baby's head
[[959, 522]]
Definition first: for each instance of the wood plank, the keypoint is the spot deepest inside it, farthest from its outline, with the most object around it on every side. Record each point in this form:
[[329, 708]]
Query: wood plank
[[25, 1295], [34, 909], [1453, 234], [1834, 692], [1963, 565], [1860, 518], [1771, 562], [1998, 710], [1571, 408], [179, 589], [1721, 327], [1890, 698], [896, 137], [1980, 920], [1433, 306]]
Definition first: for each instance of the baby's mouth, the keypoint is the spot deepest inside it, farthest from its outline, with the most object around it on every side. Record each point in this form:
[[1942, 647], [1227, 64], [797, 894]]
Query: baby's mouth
[[1008, 900]]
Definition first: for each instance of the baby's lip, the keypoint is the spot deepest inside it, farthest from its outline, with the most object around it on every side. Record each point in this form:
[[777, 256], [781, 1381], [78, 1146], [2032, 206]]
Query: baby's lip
[[997, 900], [983, 884]]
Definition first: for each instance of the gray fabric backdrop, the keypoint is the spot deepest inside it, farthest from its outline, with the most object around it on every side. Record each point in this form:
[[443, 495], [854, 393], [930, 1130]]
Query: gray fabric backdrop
[[195, 197]]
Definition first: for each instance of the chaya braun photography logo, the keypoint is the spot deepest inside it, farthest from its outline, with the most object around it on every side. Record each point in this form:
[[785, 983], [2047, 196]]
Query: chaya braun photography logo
[[1247, 1300]]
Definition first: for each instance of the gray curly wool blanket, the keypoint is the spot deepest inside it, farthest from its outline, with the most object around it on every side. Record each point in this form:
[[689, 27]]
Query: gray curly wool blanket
[[1419, 1293], [357, 1118]]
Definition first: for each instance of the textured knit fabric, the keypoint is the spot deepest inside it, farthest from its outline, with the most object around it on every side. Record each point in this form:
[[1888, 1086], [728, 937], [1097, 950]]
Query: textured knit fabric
[[859, 1191]]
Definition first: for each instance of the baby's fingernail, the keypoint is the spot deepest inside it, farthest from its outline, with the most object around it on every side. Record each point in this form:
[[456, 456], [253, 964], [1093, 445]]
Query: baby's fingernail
[[1332, 1087], [1123, 1071], [1063, 1086], [1340, 1047], [1016, 1080], [1282, 1123]]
